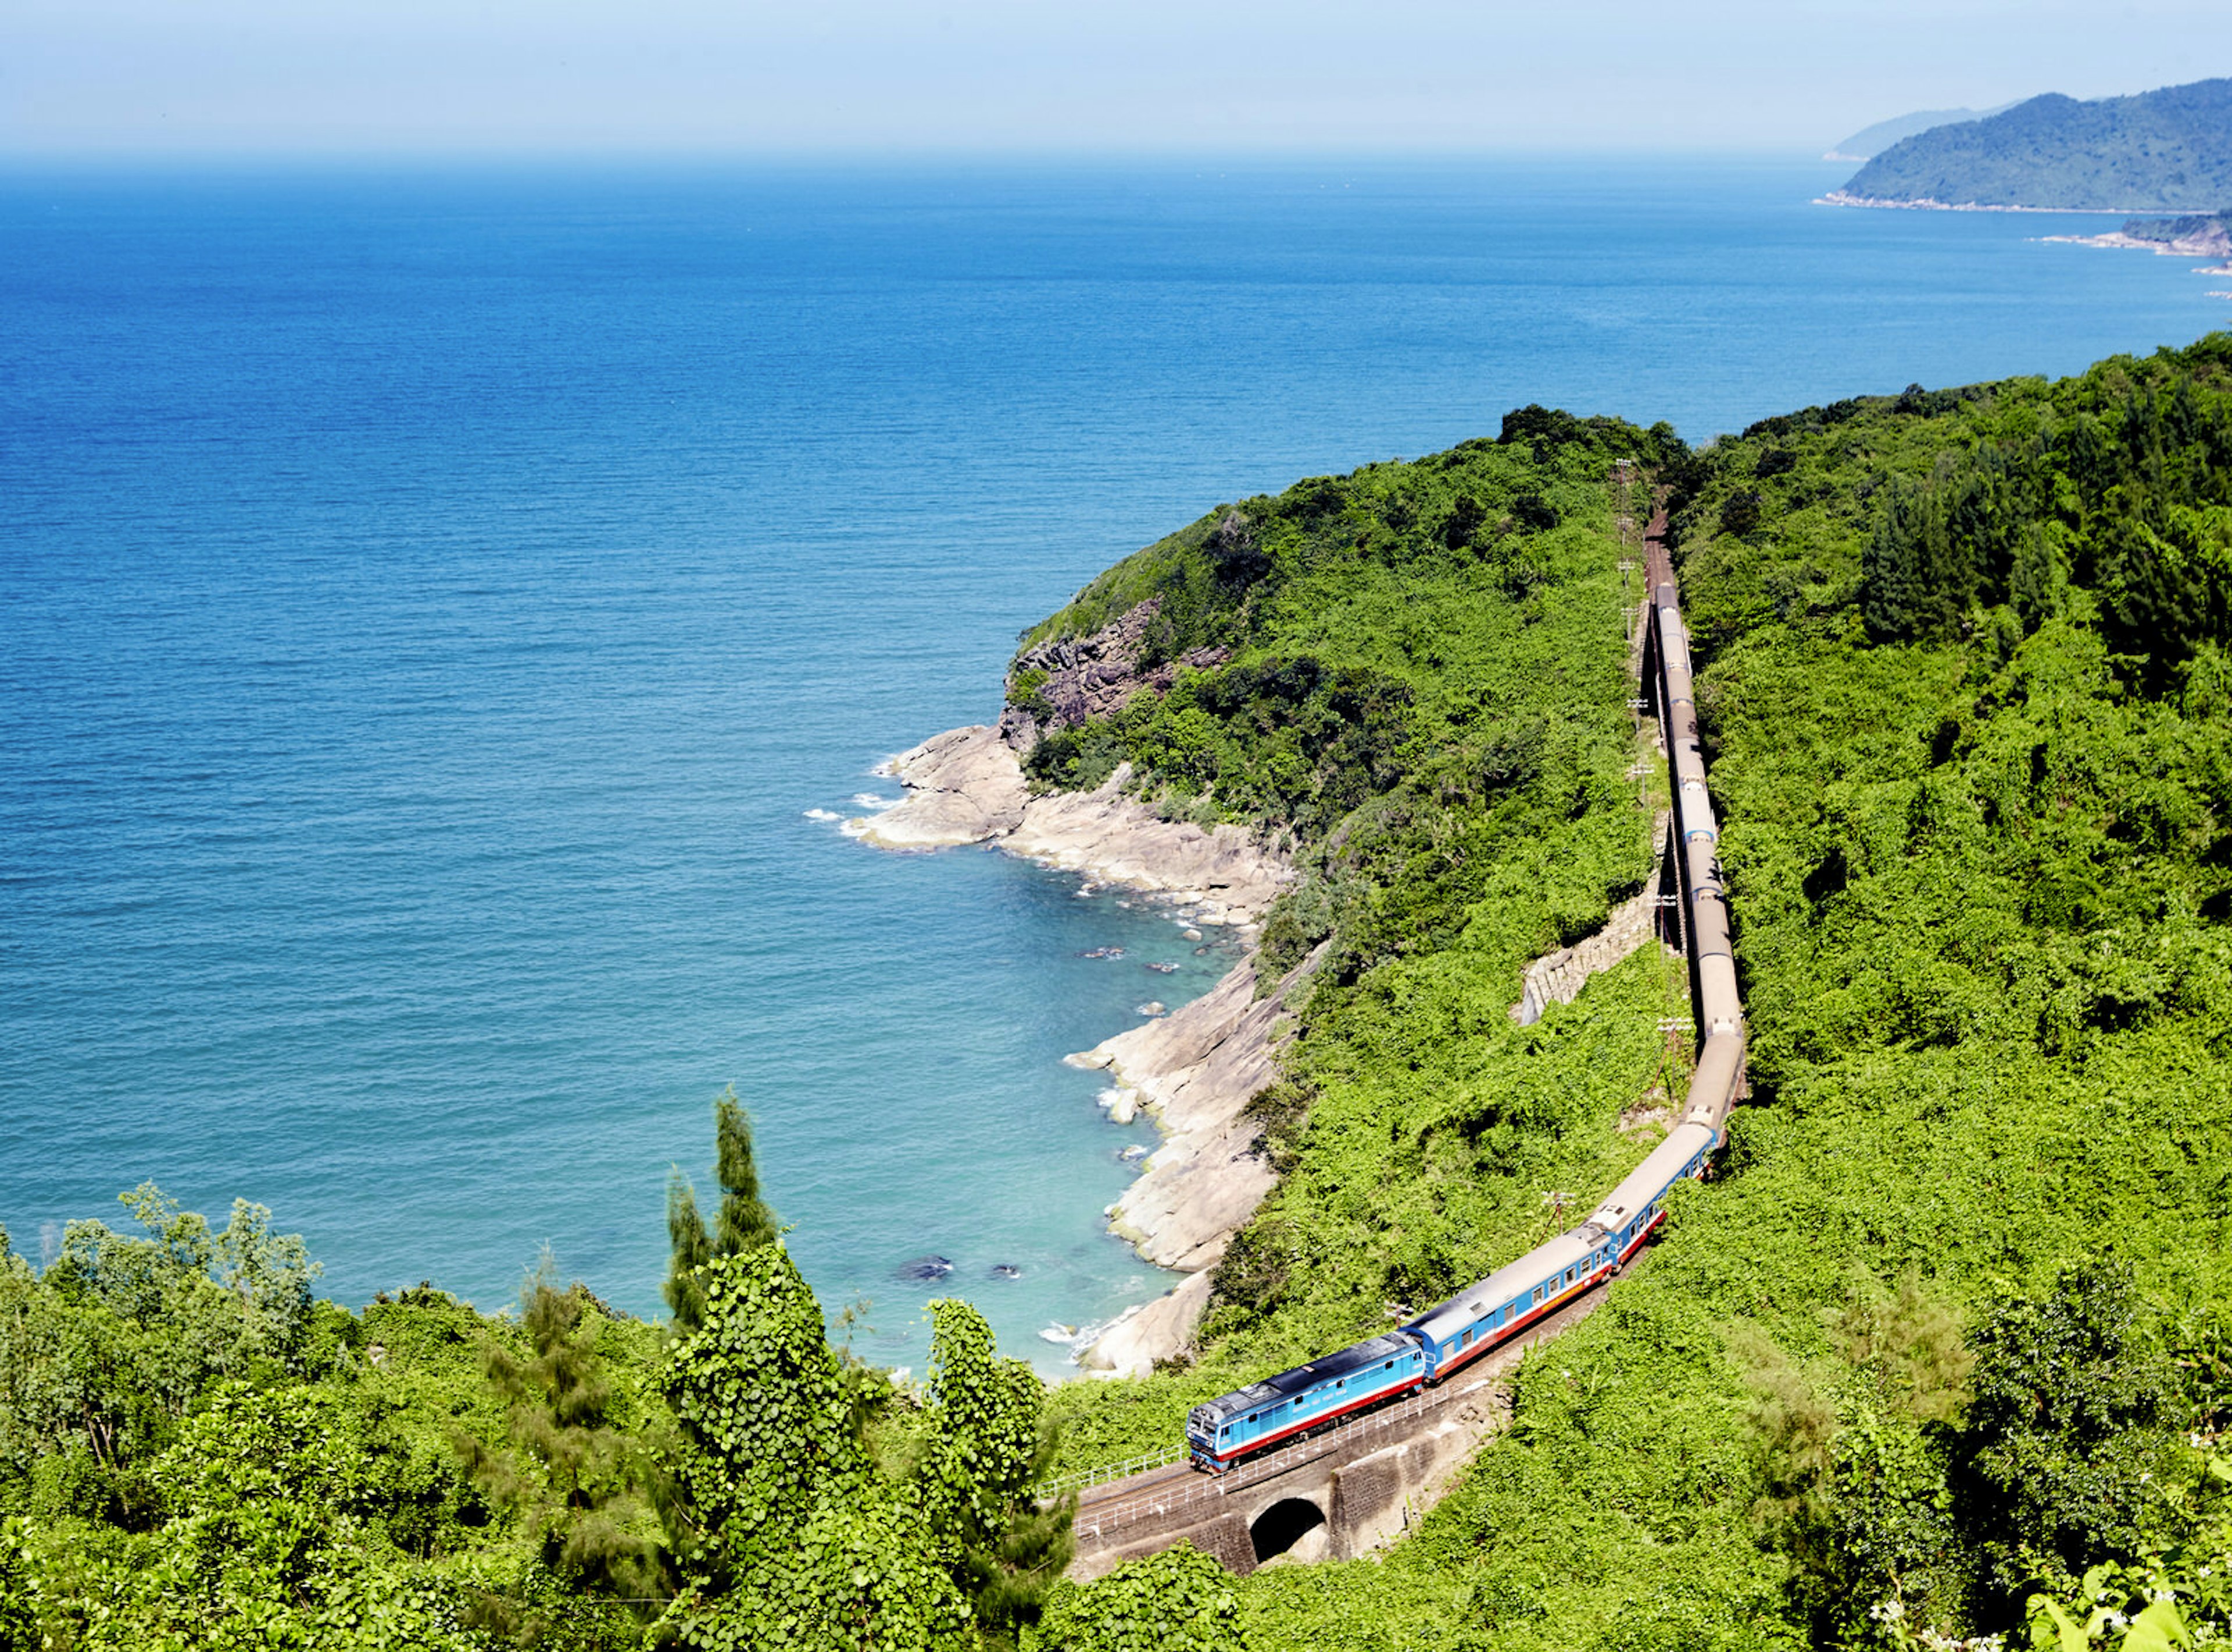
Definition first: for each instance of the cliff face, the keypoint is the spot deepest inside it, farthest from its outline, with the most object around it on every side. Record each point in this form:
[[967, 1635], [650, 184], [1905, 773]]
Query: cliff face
[[1065, 681]]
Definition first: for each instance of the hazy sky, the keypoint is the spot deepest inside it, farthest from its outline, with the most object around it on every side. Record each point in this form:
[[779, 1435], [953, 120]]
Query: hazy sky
[[287, 77]]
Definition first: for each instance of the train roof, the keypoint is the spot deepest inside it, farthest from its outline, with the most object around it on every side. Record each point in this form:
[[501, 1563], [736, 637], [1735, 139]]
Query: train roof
[[1323, 1369], [1651, 1177], [1445, 1320]]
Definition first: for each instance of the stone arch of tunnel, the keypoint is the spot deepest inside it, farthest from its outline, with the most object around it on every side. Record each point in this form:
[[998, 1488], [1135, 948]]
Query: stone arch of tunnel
[[1281, 1527]]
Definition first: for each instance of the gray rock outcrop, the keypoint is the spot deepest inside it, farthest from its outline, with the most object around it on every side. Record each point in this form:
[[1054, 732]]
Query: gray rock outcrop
[[966, 786], [962, 787], [1151, 1332], [1081, 677], [1196, 1071]]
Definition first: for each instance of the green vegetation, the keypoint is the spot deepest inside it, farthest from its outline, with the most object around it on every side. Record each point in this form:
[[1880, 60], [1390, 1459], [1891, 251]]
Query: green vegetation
[[2168, 150], [1941, 1335], [195, 1455], [1941, 1352]]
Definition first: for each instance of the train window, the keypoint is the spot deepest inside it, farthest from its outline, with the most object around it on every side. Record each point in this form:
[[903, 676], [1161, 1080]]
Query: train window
[[1465, 1341], [1538, 1294], [1569, 1276]]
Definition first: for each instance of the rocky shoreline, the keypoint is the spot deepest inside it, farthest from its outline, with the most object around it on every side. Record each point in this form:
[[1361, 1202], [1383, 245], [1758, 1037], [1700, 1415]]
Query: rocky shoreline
[[1926, 204], [1194, 1070], [965, 786]]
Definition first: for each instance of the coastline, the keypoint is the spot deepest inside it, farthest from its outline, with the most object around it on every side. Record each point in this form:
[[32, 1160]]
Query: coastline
[[1196, 1070], [1927, 203], [966, 786], [1193, 1070]]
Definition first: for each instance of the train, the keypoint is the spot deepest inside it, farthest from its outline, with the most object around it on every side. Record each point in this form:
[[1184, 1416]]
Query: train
[[1429, 1349]]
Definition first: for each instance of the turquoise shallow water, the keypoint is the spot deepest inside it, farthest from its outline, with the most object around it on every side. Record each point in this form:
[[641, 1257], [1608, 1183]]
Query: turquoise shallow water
[[430, 604]]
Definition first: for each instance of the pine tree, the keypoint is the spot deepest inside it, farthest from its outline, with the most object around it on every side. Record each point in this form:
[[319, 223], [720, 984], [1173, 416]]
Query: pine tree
[[745, 1220], [572, 1475]]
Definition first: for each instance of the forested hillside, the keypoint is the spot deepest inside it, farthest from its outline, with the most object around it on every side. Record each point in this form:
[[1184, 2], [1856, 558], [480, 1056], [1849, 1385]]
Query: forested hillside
[[1945, 1332], [2169, 149], [1940, 1352]]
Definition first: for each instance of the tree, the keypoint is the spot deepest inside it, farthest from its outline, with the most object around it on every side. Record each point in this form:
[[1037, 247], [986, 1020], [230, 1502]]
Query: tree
[[783, 1533], [1178, 1601], [102, 1355], [2069, 1417], [987, 1448], [19, 1621], [744, 1221], [572, 1476]]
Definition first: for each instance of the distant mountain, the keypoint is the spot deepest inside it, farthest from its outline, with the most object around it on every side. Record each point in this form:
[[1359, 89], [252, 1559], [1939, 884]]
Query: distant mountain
[[2170, 150], [1870, 141]]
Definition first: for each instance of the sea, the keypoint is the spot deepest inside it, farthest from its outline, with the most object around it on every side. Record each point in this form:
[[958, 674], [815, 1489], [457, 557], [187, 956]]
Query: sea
[[448, 615]]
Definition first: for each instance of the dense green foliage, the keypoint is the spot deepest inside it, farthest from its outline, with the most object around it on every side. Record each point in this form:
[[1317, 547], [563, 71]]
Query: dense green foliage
[[1942, 1352], [2168, 150], [1176, 1601], [1938, 1337], [194, 1454]]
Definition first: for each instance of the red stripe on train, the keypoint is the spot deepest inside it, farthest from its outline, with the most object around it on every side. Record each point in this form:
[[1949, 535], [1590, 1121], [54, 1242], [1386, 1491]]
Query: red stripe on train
[[1503, 1335], [1312, 1422], [1587, 1282]]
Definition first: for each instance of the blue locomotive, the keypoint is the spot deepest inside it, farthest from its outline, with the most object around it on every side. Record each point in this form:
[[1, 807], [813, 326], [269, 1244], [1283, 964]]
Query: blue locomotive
[[1443, 1340], [1428, 1349]]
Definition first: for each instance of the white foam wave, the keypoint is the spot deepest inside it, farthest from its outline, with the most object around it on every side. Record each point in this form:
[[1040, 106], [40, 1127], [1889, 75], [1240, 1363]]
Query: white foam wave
[[823, 815], [869, 800]]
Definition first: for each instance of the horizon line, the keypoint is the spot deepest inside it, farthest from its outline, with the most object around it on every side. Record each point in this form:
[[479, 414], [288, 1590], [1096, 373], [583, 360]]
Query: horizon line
[[297, 157]]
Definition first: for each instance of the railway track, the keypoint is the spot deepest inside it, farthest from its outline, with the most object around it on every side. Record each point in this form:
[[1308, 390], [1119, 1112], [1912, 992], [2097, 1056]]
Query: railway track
[[1161, 1492]]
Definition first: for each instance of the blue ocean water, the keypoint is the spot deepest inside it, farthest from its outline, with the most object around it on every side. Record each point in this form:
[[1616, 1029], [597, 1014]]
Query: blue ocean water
[[430, 604]]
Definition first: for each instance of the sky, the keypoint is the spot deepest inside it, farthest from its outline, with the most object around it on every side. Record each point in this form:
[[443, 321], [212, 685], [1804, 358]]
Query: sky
[[299, 79]]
